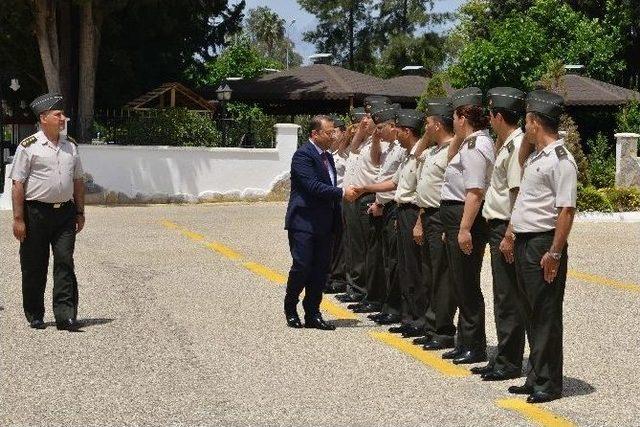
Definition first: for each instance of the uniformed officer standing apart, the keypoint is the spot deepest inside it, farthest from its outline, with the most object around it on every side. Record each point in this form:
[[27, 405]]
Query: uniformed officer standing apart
[[48, 211], [428, 230], [506, 108], [465, 182], [542, 220]]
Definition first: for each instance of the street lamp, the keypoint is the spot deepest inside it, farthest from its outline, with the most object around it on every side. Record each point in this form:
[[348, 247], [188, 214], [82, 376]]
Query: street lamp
[[15, 85], [288, 41], [223, 93]]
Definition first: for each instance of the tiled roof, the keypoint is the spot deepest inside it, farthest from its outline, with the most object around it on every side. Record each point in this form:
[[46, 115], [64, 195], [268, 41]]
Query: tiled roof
[[585, 91]]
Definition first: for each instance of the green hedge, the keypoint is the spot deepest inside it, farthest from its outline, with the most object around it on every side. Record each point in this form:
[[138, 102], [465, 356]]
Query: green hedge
[[612, 199]]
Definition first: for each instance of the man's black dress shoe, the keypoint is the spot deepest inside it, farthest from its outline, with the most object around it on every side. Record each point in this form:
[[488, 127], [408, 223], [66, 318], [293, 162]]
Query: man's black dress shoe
[[70, 325], [399, 329], [541, 397], [481, 370], [412, 332], [389, 319], [293, 321], [318, 323], [37, 324], [438, 345], [470, 357], [452, 354], [521, 389], [356, 305], [499, 375]]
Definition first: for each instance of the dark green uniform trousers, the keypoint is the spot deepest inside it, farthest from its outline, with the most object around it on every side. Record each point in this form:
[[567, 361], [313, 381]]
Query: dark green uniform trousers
[[542, 309], [354, 248], [393, 297], [338, 269], [507, 304], [55, 228], [441, 311], [465, 274], [415, 290]]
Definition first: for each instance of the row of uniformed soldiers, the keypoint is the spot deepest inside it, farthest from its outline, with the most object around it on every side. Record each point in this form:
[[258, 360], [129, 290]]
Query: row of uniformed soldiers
[[433, 189]]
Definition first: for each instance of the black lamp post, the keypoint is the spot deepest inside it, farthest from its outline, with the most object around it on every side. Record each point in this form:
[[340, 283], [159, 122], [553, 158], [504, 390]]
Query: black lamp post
[[15, 85], [223, 93]]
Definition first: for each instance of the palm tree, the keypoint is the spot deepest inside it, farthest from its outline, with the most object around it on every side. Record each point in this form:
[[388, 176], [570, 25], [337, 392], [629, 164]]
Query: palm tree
[[267, 27]]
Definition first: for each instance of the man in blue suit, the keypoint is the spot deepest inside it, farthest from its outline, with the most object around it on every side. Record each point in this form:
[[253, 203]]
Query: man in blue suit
[[313, 216]]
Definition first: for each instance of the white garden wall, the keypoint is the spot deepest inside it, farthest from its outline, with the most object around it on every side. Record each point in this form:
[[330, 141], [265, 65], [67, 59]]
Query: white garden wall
[[140, 174]]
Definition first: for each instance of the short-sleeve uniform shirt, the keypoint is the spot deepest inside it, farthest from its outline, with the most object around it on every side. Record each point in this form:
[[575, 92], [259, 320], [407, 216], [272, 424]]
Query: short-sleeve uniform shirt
[[406, 179], [549, 182], [393, 154], [505, 177], [431, 166], [470, 168], [47, 169]]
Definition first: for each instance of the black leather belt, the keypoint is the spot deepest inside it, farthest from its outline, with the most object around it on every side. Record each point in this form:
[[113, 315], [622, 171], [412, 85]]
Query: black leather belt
[[530, 235], [451, 203], [408, 206], [48, 205]]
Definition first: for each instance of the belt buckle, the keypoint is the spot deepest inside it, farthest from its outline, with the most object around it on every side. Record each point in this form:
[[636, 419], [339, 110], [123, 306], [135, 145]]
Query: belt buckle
[[56, 205]]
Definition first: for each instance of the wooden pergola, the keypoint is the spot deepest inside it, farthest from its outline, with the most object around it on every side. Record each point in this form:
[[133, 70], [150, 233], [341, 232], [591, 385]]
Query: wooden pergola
[[170, 95]]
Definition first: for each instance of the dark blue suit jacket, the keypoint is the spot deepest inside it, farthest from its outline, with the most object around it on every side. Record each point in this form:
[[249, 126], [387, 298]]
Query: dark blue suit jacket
[[314, 203]]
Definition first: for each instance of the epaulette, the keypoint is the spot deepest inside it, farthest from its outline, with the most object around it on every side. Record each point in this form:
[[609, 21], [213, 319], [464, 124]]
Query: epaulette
[[511, 146], [28, 141], [472, 143], [71, 140], [561, 152]]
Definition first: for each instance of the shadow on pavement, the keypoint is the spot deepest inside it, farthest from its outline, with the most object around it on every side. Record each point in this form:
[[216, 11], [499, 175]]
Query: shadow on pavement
[[345, 323], [576, 387], [87, 322]]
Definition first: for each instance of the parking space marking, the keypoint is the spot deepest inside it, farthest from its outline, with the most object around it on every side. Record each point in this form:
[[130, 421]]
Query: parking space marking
[[600, 280], [534, 413], [429, 358]]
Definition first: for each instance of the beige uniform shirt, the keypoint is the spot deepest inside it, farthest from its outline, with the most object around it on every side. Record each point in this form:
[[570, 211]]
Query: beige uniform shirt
[[470, 168], [393, 154], [365, 172], [340, 161], [506, 176], [46, 169], [431, 166], [406, 179], [349, 169], [549, 182]]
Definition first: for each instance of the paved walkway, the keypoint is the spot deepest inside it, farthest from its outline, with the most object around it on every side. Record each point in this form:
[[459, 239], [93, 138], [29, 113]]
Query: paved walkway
[[184, 327]]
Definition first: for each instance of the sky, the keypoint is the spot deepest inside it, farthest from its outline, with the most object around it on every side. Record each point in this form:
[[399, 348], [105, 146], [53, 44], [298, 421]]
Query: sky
[[290, 10]]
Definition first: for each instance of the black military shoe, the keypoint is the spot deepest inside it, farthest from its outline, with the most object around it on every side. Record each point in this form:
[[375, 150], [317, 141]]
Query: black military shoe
[[293, 321], [438, 344], [377, 316], [422, 340], [541, 397], [471, 357], [521, 389], [389, 319], [499, 375], [412, 332], [335, 288], [71, 325], [399, 329], [452, 354], [349, 298], [481, 370], [37, 324]]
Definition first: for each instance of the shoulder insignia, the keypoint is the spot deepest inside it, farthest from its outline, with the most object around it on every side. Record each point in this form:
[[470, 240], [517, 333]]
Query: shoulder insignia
[[28, 141], [472, 143], [510, 146], [561, 152], [71, 140]]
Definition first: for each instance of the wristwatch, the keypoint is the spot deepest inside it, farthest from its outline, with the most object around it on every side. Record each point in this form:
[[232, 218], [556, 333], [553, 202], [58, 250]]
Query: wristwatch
[[555, 255]]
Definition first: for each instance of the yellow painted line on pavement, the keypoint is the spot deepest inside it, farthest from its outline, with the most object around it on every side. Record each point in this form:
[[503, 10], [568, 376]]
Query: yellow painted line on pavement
[[534, 413], [600, 280], [267, 273], [224, 250], [263, 271], [434, 360]]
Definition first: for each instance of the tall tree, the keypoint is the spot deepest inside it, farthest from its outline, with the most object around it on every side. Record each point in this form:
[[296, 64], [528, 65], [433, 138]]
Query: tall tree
[[268, 32], [344, 30], [405, 17]]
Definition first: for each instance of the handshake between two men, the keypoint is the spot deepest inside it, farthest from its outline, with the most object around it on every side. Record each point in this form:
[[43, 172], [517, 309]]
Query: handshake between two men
[[351, 193]]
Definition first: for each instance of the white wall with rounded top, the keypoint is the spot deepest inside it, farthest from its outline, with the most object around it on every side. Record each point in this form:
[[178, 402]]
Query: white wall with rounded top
[[191, 174]]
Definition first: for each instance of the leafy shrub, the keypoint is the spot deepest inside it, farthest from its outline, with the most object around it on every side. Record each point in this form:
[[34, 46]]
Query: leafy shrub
[[590, 200], [175, 127], [250, 118], [629, 118], [602, 163], [623, 199]]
